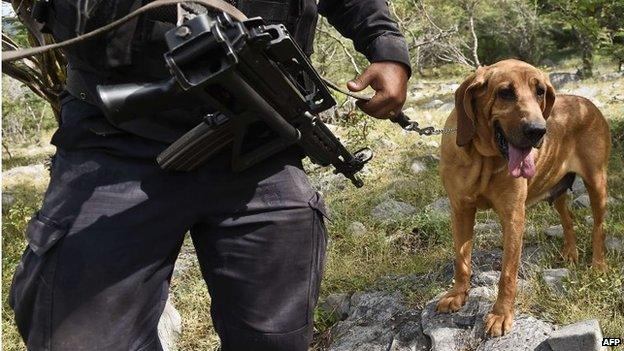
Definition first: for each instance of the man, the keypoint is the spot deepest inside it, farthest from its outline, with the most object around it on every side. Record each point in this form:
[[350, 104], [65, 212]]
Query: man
[[103, 245]]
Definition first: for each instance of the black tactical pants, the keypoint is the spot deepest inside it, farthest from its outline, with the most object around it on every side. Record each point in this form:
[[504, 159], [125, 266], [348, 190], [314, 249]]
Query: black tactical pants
[[95, 275]]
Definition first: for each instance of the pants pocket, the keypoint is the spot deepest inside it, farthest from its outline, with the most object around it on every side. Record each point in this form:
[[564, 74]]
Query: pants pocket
[[30, 295]]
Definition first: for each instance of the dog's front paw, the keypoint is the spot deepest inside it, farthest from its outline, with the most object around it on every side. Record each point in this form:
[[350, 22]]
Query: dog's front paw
[[452, 301], [570, 253], [498, 324]]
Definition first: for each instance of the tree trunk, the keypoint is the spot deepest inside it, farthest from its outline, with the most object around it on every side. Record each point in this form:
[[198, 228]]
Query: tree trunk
[[587, 52], [588, 58]]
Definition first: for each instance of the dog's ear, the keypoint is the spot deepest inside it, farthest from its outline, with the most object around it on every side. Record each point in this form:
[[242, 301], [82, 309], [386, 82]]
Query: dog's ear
[[466, 124], [549, 99]]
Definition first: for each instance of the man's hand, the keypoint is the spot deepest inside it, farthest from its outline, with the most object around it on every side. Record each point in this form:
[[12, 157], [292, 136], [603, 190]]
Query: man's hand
[[389, 79]]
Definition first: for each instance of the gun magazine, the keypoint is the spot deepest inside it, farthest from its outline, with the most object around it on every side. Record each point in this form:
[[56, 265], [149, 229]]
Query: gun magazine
[[196, 147]]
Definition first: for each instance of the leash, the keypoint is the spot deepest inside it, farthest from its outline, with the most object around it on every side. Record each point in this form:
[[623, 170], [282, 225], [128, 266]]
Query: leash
[[220, 5]]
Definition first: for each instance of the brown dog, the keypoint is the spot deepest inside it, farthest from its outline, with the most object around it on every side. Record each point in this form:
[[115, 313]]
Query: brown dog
[[517, 144]]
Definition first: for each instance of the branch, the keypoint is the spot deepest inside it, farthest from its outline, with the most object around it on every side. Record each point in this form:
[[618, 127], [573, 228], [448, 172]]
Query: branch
[[344, 48]]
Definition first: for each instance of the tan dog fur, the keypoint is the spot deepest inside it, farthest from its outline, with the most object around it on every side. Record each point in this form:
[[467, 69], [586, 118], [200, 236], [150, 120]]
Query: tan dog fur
[[476, 176]]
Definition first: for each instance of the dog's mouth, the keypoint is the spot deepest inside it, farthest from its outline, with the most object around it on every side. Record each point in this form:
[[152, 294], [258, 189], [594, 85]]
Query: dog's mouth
[[520, 161]]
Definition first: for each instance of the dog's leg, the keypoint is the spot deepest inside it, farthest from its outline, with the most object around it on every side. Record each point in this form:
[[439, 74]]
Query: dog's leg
[[596, 184], [570, 252], [511, 211], [463, 230]]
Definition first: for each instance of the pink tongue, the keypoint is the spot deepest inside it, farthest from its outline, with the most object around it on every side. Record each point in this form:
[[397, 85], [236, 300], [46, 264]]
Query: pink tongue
[[521, 162]]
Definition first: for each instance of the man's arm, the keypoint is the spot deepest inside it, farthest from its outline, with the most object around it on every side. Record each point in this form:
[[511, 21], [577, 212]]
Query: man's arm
[[377, 36]]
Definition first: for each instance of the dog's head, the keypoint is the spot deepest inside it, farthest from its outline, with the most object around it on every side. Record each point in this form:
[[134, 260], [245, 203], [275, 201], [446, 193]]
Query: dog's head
[[504, 107]]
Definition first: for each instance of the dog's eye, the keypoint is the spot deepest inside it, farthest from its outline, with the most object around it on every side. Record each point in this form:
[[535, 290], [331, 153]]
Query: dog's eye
[[540, 91], [507, 94]]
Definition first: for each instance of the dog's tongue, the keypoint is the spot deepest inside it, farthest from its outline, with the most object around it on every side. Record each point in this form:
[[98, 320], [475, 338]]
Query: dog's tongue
[[521, 162]]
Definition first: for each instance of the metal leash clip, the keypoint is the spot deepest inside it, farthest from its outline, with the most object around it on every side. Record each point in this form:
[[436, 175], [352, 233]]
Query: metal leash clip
[[411, 126]]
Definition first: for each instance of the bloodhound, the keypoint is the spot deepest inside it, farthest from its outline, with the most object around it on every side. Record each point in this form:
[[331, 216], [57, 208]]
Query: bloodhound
[[516, 144]]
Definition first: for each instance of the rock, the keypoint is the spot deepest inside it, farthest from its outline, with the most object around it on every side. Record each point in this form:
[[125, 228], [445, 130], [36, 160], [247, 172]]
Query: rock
[[586, 92], [415, 95], [589, 220], [559, 79], [417, 167], [379, 321], [386, 143], [327, 181], [555, 231], [581, 202], [432, 144], [8, 199], [410, 112], [614, 244], [578, 187], [464, 329], [417, 85], [447, 107], [440, 206], [392, 208], [18, 174], [356, 229], [489, 278], [582, 336], [433, 104], [554, 279], [612, 76], [528, 333], [448, 88], [337, 304], [169, 327], [431, 158], [457, 331]]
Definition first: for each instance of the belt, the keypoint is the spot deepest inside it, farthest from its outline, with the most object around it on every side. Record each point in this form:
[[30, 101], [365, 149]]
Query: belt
[[83, 85]]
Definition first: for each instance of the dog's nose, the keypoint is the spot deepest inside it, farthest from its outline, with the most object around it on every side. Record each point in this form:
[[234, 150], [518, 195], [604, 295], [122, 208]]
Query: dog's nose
[[534, 132]]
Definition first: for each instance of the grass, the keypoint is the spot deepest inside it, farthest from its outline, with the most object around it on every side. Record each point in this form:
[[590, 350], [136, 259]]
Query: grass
[[419, 243]]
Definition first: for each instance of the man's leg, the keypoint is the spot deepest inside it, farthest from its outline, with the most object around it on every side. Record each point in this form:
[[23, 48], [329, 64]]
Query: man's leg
[[101, 250], [263, 261]]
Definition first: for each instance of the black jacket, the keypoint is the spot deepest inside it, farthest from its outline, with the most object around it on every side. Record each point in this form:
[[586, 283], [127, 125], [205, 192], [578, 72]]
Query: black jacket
[[369, 25]]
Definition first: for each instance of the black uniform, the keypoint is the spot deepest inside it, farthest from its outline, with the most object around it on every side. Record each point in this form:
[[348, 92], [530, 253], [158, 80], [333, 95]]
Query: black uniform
[[96, 273]]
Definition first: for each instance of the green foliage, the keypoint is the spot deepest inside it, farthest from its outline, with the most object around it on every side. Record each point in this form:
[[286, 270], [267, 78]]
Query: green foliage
[[15, 29], [594, 23], [25, 116]]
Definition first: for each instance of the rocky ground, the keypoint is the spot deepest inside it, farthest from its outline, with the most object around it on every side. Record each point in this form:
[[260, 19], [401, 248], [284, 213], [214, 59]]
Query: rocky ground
[[380, 320]]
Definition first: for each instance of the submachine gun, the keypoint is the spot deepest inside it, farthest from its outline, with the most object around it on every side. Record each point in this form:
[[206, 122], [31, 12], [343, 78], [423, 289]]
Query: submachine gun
[[252, 74]]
